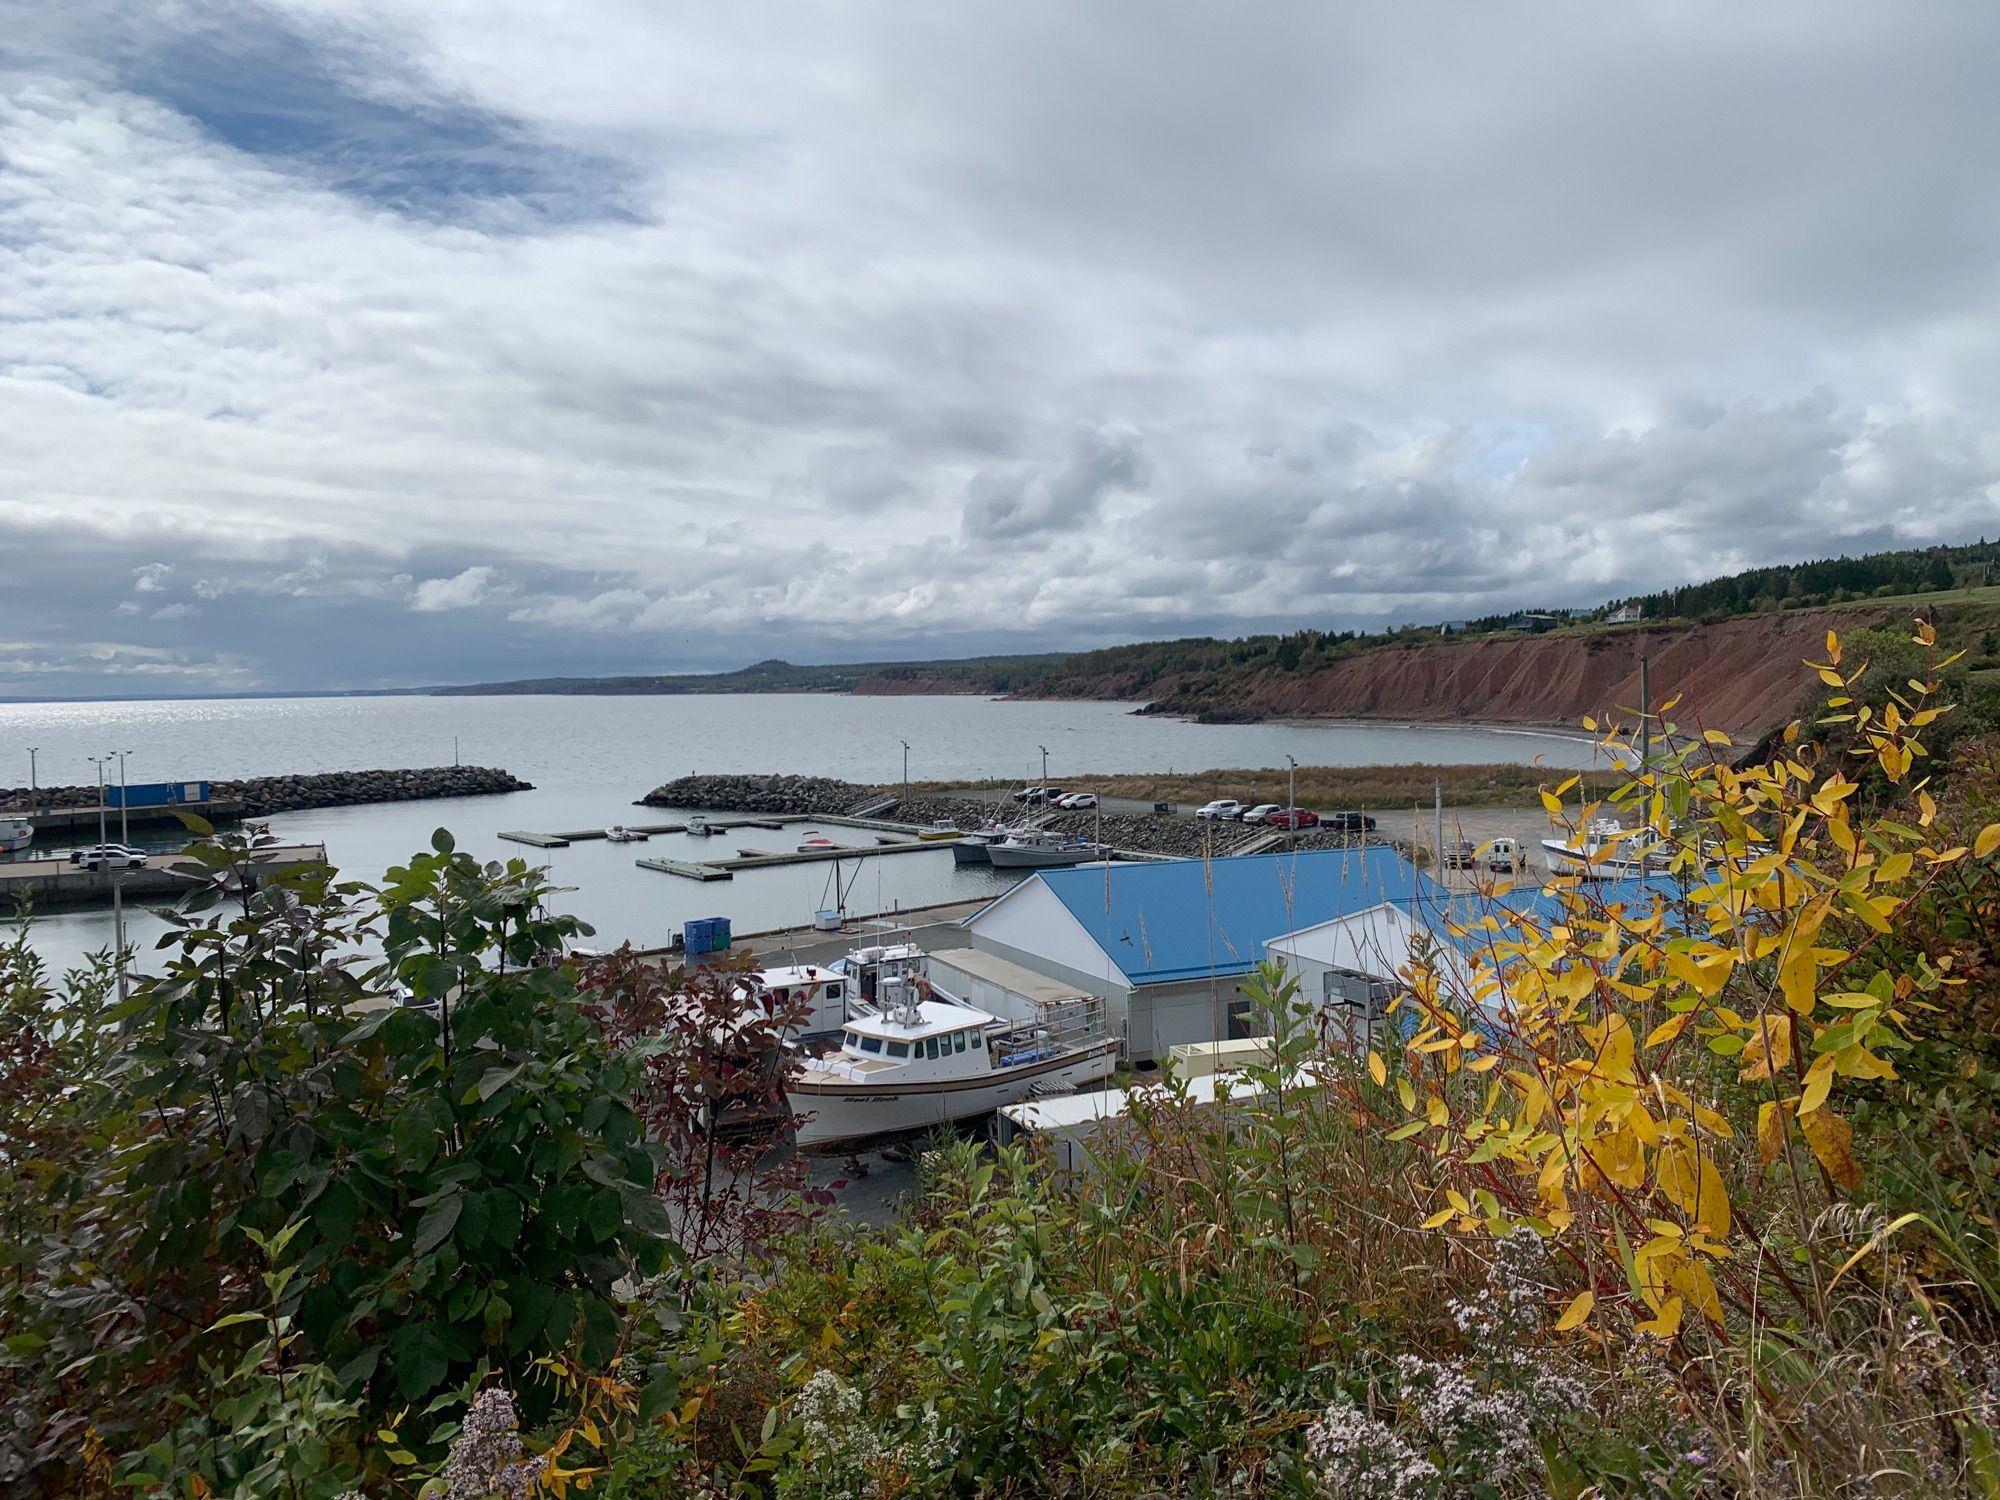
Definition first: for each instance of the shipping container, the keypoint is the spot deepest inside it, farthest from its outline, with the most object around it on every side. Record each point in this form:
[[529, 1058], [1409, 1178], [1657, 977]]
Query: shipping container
[[157, 794]]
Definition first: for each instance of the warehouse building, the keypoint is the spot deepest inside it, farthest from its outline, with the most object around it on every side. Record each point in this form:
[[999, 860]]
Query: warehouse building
[[1168, 945]]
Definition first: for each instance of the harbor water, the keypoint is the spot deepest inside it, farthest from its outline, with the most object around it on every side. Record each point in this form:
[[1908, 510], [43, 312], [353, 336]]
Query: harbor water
[[590, 758]]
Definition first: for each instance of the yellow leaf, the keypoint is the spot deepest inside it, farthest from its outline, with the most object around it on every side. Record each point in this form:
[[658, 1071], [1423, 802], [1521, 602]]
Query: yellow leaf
[[1376, 1070], [1715, 737], [1798, 975], [1770, 1132], [1875, 1239], [1831, 1139], [1819, 1081], [1578, 1309], [1435, 1112], [1987, 842], [1553, 803], [1406, 1093], [1670, 1028], [1833, 648], [1667, 1324], [1689, 1180], [1439, 1217]]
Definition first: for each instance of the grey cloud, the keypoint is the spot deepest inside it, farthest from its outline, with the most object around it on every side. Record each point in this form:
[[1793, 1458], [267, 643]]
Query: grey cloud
[[1025, 499]]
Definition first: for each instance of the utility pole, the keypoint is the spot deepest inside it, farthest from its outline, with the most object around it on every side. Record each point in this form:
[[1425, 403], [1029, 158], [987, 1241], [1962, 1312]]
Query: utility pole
[[33, 798], [124, 802], [1437, 792], [1045, 763], [118, 924], [906, 770], [1645, 718], [103, 837]]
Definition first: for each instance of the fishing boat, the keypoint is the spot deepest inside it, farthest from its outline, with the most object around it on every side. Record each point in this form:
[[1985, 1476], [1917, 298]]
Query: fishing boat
[[921, 1059], [1036, 850], [938, 831], [618, 833], [16, 834], [698, 826], [976, 848], [1608, 850], [817, 843]]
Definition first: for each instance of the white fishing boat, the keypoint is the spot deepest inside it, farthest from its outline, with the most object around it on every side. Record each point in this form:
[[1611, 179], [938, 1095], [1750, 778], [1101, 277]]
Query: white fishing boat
[[1607, 850], [920, 1059], [1037, 850], [618, 833], [976, 848], [16, 834], [698, 826], [821, 995]]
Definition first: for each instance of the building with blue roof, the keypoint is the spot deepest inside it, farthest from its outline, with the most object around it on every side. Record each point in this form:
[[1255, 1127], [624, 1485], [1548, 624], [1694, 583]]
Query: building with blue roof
[[1167, 943]]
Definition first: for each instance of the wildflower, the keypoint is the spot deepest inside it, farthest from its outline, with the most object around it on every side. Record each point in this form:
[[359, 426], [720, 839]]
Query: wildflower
[[487, 1457], [1357, 1457]]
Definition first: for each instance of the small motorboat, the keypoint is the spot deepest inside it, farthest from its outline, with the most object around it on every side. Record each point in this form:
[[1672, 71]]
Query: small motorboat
[[698, 826], [817, 843], [618, 833], [942, 829], [15, 834]]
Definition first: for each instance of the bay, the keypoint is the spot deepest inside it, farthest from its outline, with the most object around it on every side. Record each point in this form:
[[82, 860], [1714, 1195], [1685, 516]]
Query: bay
[[590, 758]]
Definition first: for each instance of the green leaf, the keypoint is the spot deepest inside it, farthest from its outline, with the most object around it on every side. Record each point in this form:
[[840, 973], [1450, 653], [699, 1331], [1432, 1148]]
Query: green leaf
[[496, 1079], [196, 824], [436, 1223], [441, 841]]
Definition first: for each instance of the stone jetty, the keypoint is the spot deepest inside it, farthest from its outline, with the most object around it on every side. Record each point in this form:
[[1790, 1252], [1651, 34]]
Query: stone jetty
[[763, 794], [263, 795]]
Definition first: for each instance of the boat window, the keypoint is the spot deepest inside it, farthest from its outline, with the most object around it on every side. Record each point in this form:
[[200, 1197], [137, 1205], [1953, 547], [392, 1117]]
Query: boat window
[[978, 1040], [833, 990], [898, 1049], [852, 1039], [871, 1044], [958, 1038], [930, 1046]]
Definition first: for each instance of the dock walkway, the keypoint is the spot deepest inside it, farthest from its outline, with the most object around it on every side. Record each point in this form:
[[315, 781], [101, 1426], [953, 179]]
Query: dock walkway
[[57, 882]]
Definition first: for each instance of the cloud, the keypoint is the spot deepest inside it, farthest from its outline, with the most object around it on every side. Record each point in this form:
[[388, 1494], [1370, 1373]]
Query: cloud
[[177, 612], [460, 591], [410, 342]]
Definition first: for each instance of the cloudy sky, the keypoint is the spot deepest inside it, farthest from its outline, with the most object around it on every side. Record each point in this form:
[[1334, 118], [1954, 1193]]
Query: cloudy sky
[[377, 342]]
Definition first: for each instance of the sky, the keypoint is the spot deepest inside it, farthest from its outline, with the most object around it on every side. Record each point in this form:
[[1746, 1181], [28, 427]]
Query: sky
[[371, 343]]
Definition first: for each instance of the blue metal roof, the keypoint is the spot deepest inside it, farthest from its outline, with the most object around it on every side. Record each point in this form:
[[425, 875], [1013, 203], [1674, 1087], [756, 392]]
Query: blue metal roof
[[1187, 919], [1544, 907]]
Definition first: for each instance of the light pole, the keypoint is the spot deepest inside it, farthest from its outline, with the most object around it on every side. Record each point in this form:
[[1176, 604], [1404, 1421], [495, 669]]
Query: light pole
[[99, 761], [32, 797], [1045, 763], [124, 802], [906, 769], [1291, 800]]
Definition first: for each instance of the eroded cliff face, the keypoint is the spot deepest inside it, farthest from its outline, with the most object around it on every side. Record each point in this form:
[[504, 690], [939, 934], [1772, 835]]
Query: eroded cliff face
[[1743, 676]]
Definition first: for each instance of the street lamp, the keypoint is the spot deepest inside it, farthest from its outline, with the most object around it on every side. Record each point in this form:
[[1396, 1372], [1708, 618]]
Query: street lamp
[[1045, 763], [1291, 800], [99, 761], [124, 802], [906, 769], [31, 776]]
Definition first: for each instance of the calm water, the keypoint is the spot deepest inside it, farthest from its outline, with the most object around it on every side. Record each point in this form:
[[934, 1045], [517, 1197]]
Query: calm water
[[591, 757]]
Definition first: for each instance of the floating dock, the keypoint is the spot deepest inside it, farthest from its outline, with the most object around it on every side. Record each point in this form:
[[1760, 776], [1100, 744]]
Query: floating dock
[[686, 869], [725, 869], [564, 839]]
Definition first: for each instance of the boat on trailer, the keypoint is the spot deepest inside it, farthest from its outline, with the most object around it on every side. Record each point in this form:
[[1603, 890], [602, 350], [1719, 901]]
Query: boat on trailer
[[919, 1059], [1607, 850]]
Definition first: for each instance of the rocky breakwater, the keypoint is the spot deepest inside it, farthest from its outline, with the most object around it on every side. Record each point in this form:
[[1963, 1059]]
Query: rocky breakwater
[[263, 795], [763, 794]]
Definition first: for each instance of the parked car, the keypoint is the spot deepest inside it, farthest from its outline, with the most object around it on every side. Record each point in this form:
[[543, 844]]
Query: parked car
[[1076, 800], [1028, 794], [1348, 822], [1458, 854], [1506, 857], [1049, 796], [1293, 817], [1221, 809], [110, 857], [1260, 813]]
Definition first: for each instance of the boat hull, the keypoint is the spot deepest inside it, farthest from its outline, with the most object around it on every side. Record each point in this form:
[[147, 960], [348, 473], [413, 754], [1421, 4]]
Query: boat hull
[[840, 1112], [1565, 860], [13, 840], [1004, 858], [967, 852]]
